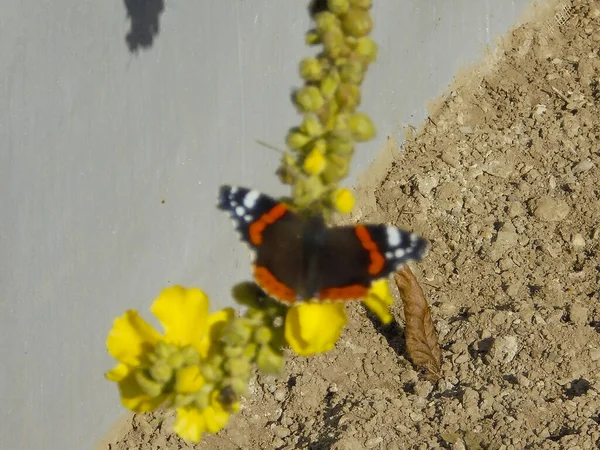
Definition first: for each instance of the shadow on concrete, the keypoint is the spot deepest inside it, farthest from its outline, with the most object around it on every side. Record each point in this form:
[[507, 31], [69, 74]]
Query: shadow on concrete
[[144, 16]]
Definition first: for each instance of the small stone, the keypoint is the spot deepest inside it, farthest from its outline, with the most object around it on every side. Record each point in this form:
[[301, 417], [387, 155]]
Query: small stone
[[373, 442], [583, 166], [280, 394], [578, 314], [504, 349], [595, 354], [451, 157], [548, 209], [578, 242], [281, 432], [423, 388], [505, 240], [498, 168], [426, 184], [516, 209], [466, 129]]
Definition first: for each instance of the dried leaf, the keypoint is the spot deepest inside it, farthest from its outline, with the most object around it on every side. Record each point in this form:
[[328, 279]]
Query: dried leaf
[[421, 338]]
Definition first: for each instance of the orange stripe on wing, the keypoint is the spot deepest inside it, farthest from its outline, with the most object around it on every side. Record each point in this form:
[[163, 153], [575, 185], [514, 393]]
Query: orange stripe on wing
[[256, 229], [272, 286], [377, 259], [353, 292]]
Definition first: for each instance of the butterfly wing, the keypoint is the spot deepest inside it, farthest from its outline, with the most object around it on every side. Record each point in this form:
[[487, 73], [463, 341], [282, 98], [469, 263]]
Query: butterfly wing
[[274, 233], [353, 257]]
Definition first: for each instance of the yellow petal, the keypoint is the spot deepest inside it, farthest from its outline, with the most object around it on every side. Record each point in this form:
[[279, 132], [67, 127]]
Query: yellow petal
[[130, 338], [117, 373], [216, 322], [189, 379], [215, 418], [315, 162], [134, 398], [343, 200], [190, 423], [183, 314], [379, 299], [314, 327]]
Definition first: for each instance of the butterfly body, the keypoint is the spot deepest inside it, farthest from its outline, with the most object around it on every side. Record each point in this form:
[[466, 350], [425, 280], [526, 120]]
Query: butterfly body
[[299, 259]]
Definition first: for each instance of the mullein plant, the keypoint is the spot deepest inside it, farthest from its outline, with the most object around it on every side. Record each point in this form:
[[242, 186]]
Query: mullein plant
[[202, 363]]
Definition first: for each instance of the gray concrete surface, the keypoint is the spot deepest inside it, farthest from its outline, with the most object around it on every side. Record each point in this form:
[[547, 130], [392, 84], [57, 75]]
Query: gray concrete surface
[[93, 139]]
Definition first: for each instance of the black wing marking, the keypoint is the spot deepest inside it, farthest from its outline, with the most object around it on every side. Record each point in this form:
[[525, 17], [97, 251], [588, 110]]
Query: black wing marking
[[244, 206]]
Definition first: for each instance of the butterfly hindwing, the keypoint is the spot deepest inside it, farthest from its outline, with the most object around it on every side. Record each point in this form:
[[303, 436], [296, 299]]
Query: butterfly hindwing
[[355, 256]]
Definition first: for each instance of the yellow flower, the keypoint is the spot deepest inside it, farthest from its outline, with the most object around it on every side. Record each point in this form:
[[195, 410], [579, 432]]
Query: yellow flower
[[315, 162], [343, 200], [379, 299], [314, 327], [183, 314], [192, 421]]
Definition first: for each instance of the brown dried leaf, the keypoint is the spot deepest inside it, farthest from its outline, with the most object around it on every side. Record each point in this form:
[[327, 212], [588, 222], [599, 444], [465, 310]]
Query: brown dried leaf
[[421, 338]]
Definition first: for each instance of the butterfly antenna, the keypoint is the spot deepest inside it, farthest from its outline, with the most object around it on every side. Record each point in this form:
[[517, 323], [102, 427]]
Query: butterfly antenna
[[269, 146]]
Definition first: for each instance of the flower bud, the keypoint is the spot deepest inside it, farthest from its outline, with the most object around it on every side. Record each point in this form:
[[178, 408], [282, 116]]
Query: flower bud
[[309, 99], [361, 126], [347, 96], [366, 48], [311, 126], [311, 69], [161, 372], [357, 22], [338, 7]]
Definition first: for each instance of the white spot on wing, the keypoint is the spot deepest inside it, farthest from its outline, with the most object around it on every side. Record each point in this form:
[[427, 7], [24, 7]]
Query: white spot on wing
[[233, 189], [233, 204], [399, 253], [389, 255], [250, 199], [393, 236], [248, 218], [240, 211]]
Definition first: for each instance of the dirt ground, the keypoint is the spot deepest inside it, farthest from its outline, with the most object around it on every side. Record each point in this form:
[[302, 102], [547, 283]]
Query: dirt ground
[[503, 179]]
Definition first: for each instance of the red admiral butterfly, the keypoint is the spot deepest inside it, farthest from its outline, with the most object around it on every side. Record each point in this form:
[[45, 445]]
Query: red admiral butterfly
[[299, 259]]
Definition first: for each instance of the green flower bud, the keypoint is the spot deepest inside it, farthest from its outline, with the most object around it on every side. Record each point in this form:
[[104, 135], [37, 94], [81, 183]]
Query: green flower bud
[[329, 85], [203, 397], [312, 38], [238, 333], [342, 122], [309, 99], [248, 293], [326, 21], [237, 385], [340, 143], [361, 126], [336, 170], [311, 69], [268, 361], [366, 48], [250, 351], [211, 372], [307, 190], [163, 350], [333, 41], [357, 22], [190, 356], [161, 372], [262, 335], [296, 140], [233, 352], [338, 7], [352, 72], [175, 360], [364, 4], [148, 385], [348, 96], [180, 400], [311, 126], [238, 367]]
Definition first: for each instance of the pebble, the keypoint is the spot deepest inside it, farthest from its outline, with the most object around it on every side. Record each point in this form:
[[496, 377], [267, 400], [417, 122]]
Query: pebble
[[578, 314], [548, 209], [583, 166], [426, 184], [578, 242]]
